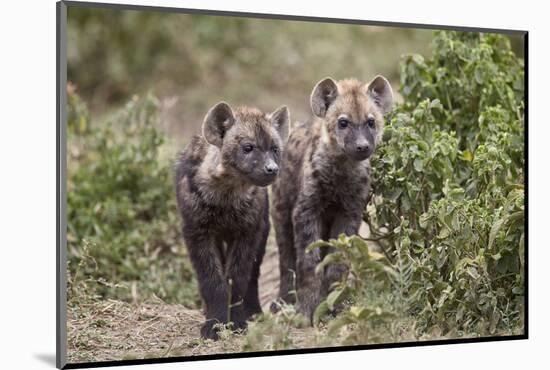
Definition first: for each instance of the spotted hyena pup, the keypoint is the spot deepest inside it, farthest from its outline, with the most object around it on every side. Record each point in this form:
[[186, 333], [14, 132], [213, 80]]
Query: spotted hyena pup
[[325, 181], [221, 180]]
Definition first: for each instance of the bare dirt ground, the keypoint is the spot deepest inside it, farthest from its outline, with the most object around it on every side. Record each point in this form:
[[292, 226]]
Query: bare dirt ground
[[115, 330]]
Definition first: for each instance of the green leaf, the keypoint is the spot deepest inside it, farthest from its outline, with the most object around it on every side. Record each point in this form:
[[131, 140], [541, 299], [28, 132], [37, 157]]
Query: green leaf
[[329, 259], [423, 220], [336, 296], [321, 310], [455, 223], [359, 312], [494, 231], [317, 244], [467, 155], [436, 104], [444, 233], [375, 256], [418, 165]]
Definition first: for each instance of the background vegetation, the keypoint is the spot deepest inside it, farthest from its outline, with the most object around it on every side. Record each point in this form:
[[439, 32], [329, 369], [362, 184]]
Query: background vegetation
[[190, 62], [444, 257], [139, 86]]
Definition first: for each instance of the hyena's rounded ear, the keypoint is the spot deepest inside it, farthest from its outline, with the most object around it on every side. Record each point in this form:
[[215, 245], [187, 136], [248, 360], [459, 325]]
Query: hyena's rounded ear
[[323, 95], [379, 89], [280, 119], [217, 121]]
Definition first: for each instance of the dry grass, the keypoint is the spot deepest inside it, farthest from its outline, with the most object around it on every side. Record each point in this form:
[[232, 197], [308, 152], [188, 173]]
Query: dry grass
[[114, 330], [108, 330]]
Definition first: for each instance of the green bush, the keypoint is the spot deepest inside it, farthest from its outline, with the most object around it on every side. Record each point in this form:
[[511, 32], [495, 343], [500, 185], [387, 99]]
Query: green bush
[[368, 274], [122, 217], [447, 207]]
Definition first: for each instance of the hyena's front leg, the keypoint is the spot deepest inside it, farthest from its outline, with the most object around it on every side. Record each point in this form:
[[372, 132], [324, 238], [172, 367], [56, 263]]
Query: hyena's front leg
[[252, 299], [307, 229], [212, 284], [344, 223], [240, 263]]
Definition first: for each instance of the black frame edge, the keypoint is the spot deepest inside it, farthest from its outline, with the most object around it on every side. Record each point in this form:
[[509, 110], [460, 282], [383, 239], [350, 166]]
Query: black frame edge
[[301, 351]]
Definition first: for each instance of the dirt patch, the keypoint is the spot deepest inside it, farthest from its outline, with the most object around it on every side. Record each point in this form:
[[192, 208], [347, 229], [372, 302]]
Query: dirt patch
[[114, 330]]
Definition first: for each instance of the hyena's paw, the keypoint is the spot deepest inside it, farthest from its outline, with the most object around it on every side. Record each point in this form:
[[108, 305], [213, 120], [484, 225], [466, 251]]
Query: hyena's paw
[[209, 330], [238, 317], [274, 307], [239, 326], [253, 310], [278, 304]]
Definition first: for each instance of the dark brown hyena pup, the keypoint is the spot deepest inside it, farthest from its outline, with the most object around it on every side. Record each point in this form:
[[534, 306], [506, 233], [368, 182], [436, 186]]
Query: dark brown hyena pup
[[324, 182], [221, 180]]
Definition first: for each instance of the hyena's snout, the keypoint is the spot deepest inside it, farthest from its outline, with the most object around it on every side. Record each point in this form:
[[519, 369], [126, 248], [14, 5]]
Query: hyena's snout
[[264, 173], [362, 146], [360, 149], [271, 168]]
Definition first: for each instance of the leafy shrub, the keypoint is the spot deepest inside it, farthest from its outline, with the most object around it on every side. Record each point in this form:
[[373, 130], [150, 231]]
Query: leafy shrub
[[367, 275], [122, 218], [447, 207]]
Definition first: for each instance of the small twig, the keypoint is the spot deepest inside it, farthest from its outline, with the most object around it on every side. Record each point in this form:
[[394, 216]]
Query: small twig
[[388, 256], [383, 236], [154, 320], [230, 282], [377, 240], [169, 348]]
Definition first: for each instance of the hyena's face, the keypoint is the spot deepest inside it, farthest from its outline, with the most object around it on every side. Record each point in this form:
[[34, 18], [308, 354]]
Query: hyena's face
[[353, 113], [250, 141]]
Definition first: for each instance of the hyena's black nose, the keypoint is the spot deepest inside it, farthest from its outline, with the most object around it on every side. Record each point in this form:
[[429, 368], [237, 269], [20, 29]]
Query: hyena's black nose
[[362, 147], [271, 169]]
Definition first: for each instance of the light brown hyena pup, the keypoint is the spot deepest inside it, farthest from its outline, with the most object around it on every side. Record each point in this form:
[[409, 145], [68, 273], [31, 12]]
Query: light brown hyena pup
[[221, 180], [325, 181]]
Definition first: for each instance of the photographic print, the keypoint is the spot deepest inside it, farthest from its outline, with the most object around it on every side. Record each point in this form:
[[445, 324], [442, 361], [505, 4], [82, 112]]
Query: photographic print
[[243, 184]]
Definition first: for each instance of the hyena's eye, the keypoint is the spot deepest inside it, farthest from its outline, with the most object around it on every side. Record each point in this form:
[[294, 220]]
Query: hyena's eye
[[275, 149], [343, 123], [370, 122], [247, 148]]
